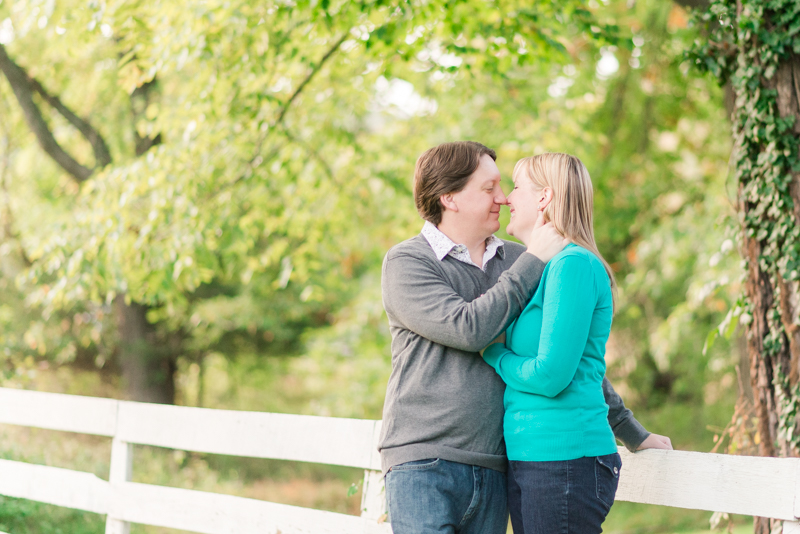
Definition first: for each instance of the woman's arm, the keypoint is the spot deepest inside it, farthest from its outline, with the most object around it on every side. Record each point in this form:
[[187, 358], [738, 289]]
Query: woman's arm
[[569, 300], [418, 296]]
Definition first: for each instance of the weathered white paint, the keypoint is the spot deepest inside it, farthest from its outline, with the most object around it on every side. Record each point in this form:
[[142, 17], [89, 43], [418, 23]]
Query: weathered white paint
[[716, 482], [797, 494], [210, 513], [326, 440], [373, 496], [72, 413], [373, 493], [53, 485], [121, 471], [768, 487]]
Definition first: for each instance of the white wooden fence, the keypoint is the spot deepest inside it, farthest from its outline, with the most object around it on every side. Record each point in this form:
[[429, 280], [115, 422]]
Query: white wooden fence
[[767, 487]]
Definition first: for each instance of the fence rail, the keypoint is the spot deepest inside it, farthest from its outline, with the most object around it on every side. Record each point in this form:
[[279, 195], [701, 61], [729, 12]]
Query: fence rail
[[767, 487]]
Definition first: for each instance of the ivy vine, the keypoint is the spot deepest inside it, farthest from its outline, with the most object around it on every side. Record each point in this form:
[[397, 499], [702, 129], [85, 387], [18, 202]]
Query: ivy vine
[[746, 42]]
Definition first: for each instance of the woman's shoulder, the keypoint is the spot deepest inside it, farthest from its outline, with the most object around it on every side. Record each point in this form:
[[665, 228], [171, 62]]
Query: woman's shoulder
[[576, 257], [573, 253]]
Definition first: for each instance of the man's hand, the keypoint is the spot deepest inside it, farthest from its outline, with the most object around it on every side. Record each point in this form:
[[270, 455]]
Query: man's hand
[[499, 339], [544, 242], [655, 441]]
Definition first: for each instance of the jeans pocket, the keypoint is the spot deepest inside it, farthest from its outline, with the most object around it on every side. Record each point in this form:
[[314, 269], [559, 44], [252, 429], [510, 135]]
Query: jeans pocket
[[416, 465], [606, 472]]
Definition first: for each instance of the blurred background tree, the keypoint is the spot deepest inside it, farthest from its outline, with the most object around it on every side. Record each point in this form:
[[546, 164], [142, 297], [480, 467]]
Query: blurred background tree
[[225, 248]]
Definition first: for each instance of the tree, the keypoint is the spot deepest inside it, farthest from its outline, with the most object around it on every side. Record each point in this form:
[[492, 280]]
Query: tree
[[649, 133], [264, 113], [148, 375], [755, 45]]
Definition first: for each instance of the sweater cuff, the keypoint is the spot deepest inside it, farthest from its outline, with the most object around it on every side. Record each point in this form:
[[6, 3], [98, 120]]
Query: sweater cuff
[[493, 353], [631, 433]]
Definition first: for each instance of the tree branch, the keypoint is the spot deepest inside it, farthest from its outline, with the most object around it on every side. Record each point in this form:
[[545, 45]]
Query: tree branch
[[308, 78], [140, 99], [20, 84], [24, 86], [311, 150], [102, 156]]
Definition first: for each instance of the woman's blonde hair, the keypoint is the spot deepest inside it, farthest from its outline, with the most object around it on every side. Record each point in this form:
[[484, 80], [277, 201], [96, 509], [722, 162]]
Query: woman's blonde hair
[[571, 210]]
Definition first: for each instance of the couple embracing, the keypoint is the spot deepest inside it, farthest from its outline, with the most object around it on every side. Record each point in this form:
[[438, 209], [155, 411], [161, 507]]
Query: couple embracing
[[497, 400]]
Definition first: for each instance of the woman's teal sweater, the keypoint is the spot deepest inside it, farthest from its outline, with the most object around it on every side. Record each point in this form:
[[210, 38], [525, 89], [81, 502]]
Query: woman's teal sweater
[[553, 364]]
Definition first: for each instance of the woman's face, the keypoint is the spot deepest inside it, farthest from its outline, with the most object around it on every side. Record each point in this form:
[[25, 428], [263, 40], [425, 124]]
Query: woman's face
[[524, 203]]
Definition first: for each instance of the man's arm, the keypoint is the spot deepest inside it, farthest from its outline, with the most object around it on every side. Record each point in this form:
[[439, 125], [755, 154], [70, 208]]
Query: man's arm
[[625, 427], [417, 295], [567, 311]]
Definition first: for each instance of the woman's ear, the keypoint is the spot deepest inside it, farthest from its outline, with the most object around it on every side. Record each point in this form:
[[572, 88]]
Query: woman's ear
[[546, 203], [545, 198]]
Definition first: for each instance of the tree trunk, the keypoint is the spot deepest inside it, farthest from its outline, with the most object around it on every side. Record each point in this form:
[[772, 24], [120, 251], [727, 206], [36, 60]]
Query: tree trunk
[[769, 206], [752, 46], [774, 303], [148, 368]]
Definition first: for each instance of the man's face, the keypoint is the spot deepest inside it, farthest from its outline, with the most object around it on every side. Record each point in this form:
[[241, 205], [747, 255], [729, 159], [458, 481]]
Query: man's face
[[479, 202]]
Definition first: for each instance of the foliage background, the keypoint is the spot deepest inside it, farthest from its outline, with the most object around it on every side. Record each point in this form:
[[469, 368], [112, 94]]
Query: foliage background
[[254, 232]]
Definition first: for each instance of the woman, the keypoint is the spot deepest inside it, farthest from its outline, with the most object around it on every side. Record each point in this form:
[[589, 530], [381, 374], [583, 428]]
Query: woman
[[563, 461]]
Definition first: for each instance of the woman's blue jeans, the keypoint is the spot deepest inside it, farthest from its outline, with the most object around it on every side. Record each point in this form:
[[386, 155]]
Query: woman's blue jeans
[[568, 497], [439, 496]]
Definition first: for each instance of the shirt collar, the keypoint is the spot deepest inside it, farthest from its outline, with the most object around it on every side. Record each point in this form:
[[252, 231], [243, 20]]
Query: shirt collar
[[443, 245]]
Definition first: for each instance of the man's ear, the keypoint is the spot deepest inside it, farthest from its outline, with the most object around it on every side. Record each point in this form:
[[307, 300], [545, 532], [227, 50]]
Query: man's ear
[[448, 202]]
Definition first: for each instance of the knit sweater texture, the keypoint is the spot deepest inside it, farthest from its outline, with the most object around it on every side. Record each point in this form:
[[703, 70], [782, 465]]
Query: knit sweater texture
[[553, 364], [442, 399]]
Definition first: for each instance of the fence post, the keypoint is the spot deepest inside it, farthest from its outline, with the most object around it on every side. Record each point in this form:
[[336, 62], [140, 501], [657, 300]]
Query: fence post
[[373, 494], [373, 498], [121, 471]]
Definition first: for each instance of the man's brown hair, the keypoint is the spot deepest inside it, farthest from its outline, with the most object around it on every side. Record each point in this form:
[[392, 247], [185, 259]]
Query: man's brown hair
[[442, 170]]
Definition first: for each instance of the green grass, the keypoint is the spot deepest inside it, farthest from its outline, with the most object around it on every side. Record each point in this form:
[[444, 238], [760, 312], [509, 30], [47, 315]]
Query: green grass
[[633, 518], [18, 516]]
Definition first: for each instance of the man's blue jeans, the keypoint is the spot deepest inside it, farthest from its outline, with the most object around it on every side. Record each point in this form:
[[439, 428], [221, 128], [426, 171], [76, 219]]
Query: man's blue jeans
[[569, 497], [435, 495]]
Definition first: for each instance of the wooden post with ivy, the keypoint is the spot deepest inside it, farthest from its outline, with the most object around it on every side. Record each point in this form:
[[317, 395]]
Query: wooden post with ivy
[[755, 46]]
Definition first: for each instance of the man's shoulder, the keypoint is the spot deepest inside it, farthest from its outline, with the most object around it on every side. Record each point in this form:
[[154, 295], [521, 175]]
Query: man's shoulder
[[513, 250], [407, 260], [415, 247]]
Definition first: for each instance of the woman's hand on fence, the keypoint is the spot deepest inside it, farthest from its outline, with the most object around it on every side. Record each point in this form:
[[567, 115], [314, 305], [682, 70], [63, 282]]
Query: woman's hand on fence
[[656, 441]]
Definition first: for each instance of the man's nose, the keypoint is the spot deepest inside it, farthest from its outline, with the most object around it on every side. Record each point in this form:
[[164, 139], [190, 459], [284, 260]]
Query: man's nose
[[501, 198]]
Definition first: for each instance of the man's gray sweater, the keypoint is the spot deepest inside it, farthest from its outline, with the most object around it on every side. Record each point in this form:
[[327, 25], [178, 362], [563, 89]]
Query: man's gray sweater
[[443, 400]]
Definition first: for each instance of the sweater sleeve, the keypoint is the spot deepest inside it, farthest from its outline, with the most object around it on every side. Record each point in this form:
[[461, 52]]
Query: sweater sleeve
[[515, 370], [567, 308], [624, 425], [417, 295]]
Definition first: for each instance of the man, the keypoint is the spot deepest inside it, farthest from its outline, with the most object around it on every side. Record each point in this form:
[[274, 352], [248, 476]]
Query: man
[[448, 293]]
